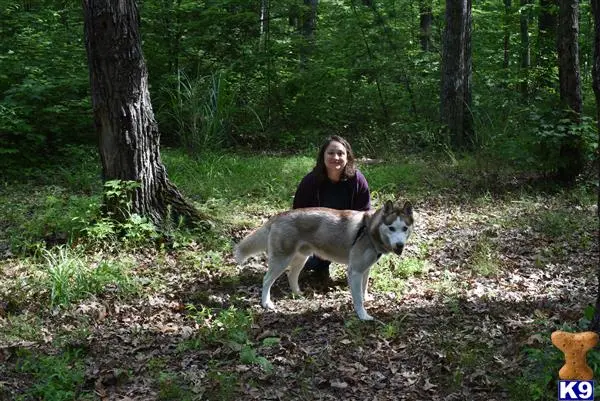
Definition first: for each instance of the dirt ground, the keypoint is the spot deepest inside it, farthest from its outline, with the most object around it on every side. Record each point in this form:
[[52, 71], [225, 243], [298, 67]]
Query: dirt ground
[[454, 332]]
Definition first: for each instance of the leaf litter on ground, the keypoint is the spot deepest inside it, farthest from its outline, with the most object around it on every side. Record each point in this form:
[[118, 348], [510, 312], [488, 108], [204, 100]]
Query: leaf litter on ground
[[454, 332]]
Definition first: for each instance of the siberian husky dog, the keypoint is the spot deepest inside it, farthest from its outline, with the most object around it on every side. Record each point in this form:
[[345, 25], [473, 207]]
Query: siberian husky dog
[[349, 237]]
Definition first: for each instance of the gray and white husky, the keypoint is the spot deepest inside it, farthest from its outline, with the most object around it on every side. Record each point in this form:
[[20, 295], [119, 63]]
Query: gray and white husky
[[349, 237]]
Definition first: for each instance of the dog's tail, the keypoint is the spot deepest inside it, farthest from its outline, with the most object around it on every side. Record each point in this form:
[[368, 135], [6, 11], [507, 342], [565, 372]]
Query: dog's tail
[[254, 243]]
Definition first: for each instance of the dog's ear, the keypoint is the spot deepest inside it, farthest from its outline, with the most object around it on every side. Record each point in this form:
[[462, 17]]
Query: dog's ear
[[407, 209], [388, 207]]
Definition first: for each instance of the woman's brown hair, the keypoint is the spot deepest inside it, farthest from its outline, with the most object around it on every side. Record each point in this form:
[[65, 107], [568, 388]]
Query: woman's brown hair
[[320, 170]]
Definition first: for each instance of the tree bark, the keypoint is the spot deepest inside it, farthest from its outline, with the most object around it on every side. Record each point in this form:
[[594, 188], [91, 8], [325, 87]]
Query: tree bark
[[507, 15], [596, 65], [571, 152], [455, 99], [129, 140], [425, 20], [525, 48], [568, 56], [309, 25], [547, 25], [264, 24], [595, 324]]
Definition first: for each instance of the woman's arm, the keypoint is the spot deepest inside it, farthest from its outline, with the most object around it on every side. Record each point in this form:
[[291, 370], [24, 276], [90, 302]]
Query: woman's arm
[[362, 197], [306, 193]]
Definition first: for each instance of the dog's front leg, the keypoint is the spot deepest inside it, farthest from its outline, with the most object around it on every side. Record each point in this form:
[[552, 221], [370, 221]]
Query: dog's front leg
[[356, 289]]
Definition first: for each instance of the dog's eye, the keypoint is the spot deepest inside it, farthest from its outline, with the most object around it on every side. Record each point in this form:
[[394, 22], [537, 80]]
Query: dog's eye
[[392, 229], [404, 228]]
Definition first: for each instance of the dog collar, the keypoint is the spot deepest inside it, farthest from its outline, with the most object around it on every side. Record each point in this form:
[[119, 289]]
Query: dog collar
[[359, 233]]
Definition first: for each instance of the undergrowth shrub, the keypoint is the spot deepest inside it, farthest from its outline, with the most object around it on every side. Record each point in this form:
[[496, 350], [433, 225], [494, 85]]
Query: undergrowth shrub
[[553, 133], [229, 327], [103, 226]]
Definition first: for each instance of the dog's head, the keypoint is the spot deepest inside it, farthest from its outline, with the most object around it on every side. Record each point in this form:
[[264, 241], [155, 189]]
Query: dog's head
[[396, 226]]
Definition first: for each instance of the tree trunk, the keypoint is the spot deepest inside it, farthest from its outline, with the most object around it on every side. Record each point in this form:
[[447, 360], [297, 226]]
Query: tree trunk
[[595, 324], [568, 56], [309, 25], [264, 24], [547, 25], [455, 99], [571, 152], [525, 48], [425, 20], [123, 117], [596, 69], [507, 15]]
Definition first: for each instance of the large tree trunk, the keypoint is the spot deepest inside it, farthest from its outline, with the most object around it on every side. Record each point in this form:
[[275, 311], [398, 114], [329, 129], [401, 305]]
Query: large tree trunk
[[455, 100], [123, 117], [595, 325], [571, 152]]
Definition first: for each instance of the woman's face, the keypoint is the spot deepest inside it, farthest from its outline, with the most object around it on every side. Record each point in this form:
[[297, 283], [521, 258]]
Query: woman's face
[[336, 158]]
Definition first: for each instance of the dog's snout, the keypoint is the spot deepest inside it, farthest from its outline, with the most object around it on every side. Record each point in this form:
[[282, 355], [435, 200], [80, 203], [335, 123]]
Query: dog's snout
[[399, 248]]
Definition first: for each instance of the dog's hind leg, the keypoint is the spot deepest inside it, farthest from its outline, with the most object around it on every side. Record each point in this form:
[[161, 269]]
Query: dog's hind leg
[[277, 265], [296, 266], [365, 286]]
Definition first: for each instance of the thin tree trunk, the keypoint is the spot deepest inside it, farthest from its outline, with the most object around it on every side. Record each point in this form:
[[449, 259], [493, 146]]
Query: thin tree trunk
[[547, 25], [425, 20], [127, 131], [264, 23], [309, 25], [468, 132], [384, 108], [595, 324], [525, 48], [507, 14], [394, 47]]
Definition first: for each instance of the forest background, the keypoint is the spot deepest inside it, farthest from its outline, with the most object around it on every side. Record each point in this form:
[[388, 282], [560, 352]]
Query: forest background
[[243, 93]]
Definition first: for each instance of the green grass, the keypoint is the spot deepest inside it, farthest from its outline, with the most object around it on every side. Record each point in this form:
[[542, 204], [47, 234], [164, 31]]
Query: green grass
[[267, 180], [391, 272], [172, 387], [58, 377], [238, 191], [20, 327], [71, 276], [235, 189], [485, 258]]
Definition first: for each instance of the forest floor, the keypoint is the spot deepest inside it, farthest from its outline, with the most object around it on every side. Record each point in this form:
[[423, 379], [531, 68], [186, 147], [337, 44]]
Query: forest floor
[[470, 320]]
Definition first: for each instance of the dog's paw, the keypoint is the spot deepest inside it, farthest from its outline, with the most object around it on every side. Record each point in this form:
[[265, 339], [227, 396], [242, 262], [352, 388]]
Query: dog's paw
[[365, 316], [268, 305]]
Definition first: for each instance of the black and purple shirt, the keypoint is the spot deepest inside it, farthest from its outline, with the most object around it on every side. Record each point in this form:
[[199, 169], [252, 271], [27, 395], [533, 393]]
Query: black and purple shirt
[[352, 193]]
